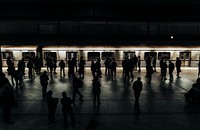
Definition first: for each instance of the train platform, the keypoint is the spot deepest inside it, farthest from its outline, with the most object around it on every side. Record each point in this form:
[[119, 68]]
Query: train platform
[[162, 104]]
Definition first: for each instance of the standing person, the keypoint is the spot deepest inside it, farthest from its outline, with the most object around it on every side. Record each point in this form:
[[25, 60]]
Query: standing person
[[11, 72], [149, 73], [161, 63], [123, 67], [178, 66], [107, 66], [67, 109], [148, 64], [137, 88], [54, 65], [81, 67], [77, 83], [8, 62], [51, 65], [62, 68], [30, 68], [93, 68], [98, 67], [154, 63], [44, 82], [139, 63], [21, 66], [171, 69], [52, 105], [18, 78], [96, 90], [164, 70], [113, 68], [135, 62], [8, 98]]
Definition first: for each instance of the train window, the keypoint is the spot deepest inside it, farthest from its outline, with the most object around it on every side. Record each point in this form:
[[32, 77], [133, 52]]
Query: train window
[[185, 55], [151, 54], [27, 55], [93, 55], [129, 54], [70, 55], [107, 54], [52, 55], [7, 54], [165, 55]]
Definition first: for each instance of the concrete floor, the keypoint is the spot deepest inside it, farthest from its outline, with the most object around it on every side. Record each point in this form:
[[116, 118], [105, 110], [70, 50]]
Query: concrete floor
[[162, 104]]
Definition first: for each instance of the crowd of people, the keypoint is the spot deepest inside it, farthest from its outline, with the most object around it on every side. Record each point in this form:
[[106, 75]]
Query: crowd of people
[[129, 65]]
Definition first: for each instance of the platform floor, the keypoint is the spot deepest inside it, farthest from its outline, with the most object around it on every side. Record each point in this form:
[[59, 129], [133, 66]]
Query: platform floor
[[162, 104]]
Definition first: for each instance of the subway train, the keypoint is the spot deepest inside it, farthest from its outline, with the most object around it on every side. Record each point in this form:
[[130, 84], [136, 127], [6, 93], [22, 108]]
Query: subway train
[[189, 55]]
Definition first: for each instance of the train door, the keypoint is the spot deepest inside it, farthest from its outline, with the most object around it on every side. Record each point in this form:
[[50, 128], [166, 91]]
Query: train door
[[128, 54], [185, 58], [70, 55], [50, 56], [5, 55], [27, 55]]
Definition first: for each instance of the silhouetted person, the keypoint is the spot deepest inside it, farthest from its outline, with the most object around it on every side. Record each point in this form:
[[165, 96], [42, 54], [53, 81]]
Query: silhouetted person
[[93, 68], [171, 69], [62, 67], [67, 109], [77, 83], [123, 67], [154, 63], [8, 61], [164, 70], [107, 66], [98, 67], [54, 65], [96, 90], [21, 66], [18, 78], [70, 68], [74, 63], [51, 65], [193, 96], [137, 88], [52, 105], [149, 73], [113, 68], [81, 67], [7, 97], [178, 66], [135, 62], [161, 63], [148, 64], [30, 68], [139, 63], [127, 69], [44, 82], [11, 72]]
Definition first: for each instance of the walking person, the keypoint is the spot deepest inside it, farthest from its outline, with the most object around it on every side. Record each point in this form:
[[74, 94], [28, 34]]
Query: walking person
[[113, 68], [11, 72], [8, 98], [96, 90], [67, 109], [77, 83], [178, 66], [171, 69], [44, 82], [149, 73], [52, 106], [137, 88]]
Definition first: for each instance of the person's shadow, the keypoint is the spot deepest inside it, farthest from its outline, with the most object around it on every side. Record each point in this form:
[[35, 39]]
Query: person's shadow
[[137, 108]]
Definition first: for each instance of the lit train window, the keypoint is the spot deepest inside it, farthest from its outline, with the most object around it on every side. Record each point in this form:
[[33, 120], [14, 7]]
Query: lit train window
[[27, 55], [185, 55], [165, 55], [6, 54], [129, 54], [107, 54], [70, 55], [52, 55], [93, 55], [151, 54]]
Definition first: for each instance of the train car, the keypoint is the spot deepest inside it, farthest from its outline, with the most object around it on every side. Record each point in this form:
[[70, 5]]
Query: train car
[[16, 53]]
